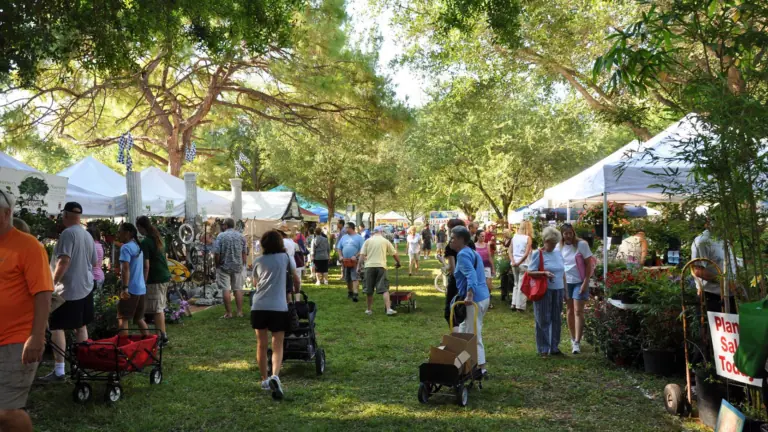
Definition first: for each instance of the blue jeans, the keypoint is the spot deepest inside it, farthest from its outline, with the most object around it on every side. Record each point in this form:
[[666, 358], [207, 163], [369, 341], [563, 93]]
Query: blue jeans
[[573, 292], [548, 314]]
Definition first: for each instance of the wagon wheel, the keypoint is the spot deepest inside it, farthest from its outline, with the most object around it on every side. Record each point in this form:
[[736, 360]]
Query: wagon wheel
[[320, 361], [114, 393], [462, 395], [156, 376], [82, 393], [423, 392], [186, 233]]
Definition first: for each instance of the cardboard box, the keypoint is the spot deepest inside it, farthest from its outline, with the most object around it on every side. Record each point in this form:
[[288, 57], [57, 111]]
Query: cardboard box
[[458, 342], [442, 355]]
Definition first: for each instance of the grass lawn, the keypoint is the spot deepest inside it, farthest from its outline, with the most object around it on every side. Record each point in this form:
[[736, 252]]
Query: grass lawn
[[212, 381]]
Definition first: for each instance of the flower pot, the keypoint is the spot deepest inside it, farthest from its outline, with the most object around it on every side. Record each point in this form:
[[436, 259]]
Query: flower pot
[[616, 240], [751, 425], [709, 396], [660, 362]]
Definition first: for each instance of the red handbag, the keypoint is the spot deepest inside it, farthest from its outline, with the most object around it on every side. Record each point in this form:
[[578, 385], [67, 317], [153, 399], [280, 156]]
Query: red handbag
[[534, 287]]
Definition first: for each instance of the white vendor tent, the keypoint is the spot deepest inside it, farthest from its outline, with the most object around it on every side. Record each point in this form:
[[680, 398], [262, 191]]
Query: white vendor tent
[[92, 176], [165, 195], [266, 206], [94, 205], [391, 217]]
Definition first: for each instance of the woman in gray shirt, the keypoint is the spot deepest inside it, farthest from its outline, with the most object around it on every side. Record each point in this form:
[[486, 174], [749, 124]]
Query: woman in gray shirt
[[321, 251], [269, 309]]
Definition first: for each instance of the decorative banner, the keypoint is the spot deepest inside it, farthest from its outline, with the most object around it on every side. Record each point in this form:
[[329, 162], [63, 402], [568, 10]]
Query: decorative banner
[[189, 156], [724, 329], [124, 146], [35, 190], [442, 217]]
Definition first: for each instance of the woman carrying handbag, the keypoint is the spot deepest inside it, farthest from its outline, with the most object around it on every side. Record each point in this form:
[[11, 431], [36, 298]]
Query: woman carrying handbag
[[547, 311]]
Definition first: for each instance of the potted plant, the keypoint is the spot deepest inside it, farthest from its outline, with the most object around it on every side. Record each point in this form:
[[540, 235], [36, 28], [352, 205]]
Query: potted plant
[[615, 333]]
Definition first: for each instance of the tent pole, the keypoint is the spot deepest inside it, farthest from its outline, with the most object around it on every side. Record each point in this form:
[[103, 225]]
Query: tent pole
[[568, 212], [605, 236]]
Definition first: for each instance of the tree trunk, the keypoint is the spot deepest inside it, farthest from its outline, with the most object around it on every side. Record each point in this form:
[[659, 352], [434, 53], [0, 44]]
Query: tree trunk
[[175, 161]]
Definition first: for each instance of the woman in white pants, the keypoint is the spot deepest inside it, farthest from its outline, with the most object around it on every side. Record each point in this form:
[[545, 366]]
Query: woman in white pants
[[519, 254]]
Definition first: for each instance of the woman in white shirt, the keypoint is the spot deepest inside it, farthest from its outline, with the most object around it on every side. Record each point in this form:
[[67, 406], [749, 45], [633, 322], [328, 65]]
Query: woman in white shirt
[[576, 257], [414, 247], [519, 253]]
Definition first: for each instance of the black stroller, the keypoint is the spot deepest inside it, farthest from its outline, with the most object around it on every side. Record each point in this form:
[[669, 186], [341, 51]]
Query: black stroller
[[301, 344]]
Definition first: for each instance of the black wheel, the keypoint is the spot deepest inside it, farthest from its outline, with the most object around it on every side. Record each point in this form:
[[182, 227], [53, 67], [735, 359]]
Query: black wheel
[[269, 362], [423, 392], [320, 361], [156, 376], [82, 393], [114, 393], [674, 401], [413, 304], [462, 395]]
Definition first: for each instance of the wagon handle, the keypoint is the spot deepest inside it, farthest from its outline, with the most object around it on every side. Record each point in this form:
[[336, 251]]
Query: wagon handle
[[453, 310]]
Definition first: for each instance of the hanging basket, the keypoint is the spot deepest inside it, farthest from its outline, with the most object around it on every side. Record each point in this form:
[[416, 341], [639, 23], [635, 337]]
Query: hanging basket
[[599, 230]]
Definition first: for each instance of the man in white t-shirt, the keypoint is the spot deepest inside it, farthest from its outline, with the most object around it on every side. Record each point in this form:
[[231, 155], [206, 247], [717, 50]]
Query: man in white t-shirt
[[577, 259], [707, 279]]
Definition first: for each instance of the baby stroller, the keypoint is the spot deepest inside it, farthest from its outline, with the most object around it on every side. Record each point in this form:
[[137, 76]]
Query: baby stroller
[[300, 344]]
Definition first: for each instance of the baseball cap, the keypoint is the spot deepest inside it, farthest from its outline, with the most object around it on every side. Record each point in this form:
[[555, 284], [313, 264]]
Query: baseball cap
[[7, 200], [73, 207], [378, 229]]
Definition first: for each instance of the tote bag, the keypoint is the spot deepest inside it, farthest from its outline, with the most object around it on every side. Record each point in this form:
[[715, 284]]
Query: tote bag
[[535, 287], [753, 333]]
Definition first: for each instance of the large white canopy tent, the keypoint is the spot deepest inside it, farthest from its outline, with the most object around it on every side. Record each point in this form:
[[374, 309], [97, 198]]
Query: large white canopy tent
[[165, 195], [93, 176], [94, 205], [631, 176], [266, 206]]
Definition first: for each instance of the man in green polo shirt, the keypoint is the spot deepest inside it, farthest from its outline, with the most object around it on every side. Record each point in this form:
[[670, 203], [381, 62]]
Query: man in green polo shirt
[[374, 256]]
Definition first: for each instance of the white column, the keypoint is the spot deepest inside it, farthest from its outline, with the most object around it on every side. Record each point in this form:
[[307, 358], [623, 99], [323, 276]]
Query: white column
[[133, 186], [190, 205], [237, 198], [605, 236], [568, 212]]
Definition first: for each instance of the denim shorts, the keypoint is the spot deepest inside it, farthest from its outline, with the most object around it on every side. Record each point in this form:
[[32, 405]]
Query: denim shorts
[[573, 292]]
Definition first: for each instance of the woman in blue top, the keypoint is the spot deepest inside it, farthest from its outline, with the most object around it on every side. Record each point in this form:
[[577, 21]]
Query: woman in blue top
[[470, 283], [133, 276], [547, 311]]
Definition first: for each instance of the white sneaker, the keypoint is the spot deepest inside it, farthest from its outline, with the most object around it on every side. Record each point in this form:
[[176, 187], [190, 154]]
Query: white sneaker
[[276, 387], [317, 283], [369, 312], [391, 312], [265, 385], [326, 282], [576, 348]]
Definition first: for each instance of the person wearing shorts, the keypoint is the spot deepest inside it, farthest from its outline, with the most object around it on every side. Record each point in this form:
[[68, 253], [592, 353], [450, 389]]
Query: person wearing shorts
[[269, 310], [158, 275], [73, 261], [26, 285], [229, 252], [133, 297], [426, 236], [374, 258], [442, 236], [572, 249]]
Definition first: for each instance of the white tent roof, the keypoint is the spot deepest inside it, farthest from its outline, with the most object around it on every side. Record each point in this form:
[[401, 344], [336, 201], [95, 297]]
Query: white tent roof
[[91, 176], [94, 204], [392, 216], [165, 195], [625, 174], [94, 176], [270, 206]]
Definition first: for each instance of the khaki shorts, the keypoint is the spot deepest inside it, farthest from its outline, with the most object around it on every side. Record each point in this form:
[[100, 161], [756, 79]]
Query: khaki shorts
[[15, 378], [157, 297], [376, 279], [229, 281], [132, 307]]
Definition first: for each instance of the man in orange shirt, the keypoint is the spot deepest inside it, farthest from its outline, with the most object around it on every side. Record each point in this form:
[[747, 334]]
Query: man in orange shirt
[[25, 288]]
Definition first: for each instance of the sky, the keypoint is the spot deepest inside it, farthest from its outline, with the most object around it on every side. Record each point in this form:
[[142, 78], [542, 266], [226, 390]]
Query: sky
[[408, 84]]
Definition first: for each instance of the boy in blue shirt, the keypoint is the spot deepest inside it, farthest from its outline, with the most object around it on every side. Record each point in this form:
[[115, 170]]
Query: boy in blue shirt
[[349, 250], [133, 276]]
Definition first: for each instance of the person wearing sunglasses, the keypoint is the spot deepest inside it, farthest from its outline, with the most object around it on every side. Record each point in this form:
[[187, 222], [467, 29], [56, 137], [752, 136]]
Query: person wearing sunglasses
[[26, 287]]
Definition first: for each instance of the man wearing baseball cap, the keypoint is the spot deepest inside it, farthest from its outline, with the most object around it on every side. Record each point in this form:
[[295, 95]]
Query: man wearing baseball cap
[[25, 288], [73, 260]]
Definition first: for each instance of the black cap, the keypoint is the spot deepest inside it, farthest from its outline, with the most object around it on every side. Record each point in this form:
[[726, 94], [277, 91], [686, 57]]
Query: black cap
[[73, 207]]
